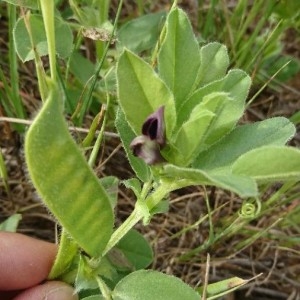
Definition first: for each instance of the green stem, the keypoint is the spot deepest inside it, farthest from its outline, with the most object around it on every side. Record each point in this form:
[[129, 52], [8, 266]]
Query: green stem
[[97, 145], [211, 227], [139, 212], [43, 89], [154, 198], [165, 188], [47, 8], [86, 104], [133, 219]]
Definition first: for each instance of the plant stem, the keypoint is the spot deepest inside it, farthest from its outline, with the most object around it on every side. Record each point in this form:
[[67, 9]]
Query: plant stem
[[133, 219], [165, 188], [139, 212], [98, 142], [47, 8], [43, 89], [86, 103]]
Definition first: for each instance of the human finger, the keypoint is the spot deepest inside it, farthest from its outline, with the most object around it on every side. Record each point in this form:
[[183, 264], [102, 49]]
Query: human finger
[[51, 290], [24, 261]]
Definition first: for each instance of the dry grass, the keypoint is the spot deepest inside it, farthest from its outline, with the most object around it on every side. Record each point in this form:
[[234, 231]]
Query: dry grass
[[280, 265]]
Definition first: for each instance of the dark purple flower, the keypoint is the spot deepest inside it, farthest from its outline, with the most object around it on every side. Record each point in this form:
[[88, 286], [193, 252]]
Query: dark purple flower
[[148, 145]]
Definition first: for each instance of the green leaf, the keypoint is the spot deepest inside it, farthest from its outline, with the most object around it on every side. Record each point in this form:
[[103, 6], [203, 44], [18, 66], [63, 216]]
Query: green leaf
[[65, 182], [191, 134], [85, 279], [135, 185], [149, 285], [141, 169], [136, 249], [179, 57], [275, 131], [33, 4], [68, 249], [161, 208], [63, 38], [269, 163], [214, 63], [200, 127], [242, 185], [141, 92], [141, 33], [236, 84], [11, 223]]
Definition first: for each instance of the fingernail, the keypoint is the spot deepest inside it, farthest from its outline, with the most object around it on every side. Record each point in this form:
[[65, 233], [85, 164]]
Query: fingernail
[[62, 293]]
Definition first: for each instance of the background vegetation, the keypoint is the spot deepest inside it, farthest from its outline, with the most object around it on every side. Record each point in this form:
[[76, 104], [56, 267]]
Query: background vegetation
[[262, 38]]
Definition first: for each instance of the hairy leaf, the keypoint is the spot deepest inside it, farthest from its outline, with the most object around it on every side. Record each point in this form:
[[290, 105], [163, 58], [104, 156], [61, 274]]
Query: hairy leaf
[[179, 57], [149, 285], [141, 92], [65, 182], [269, 163], [275, 131]]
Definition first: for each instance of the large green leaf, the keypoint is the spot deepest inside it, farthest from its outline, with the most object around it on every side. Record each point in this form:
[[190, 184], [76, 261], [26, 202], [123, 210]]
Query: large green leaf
[[240, 184], [269, 163], [275, 131], [65, 182], [150, 285], [63, 38], [141, 92], [141, 169], [179, 57], [214, 63]]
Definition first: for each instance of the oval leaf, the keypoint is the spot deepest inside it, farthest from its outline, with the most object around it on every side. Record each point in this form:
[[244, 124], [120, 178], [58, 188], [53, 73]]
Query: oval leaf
[[275, 131], [149, 285], [142, 92], [242, 185], [270, 163], [64, 180], [136, 249], [214, 63], [179, 57], [63, 38]]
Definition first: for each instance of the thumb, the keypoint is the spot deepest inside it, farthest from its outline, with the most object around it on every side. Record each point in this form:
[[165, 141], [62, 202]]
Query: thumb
[[51, 290]]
